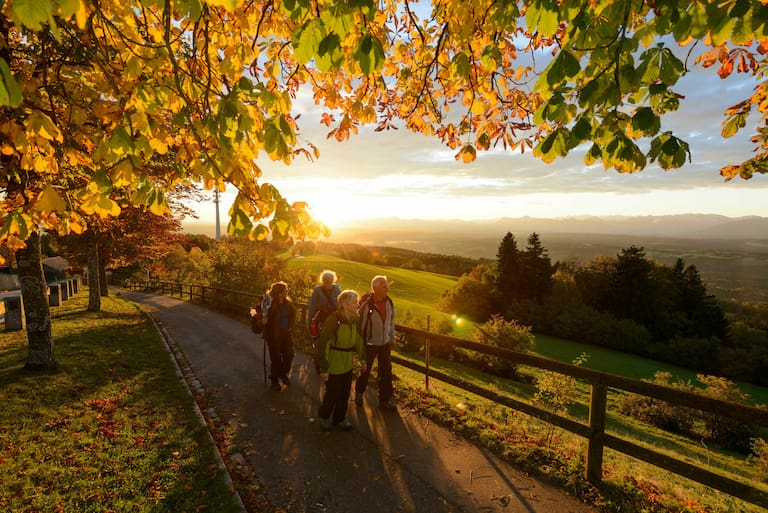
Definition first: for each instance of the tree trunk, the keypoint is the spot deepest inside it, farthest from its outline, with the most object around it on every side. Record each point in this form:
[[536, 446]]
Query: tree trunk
[[34, 293], [103, 285], [94, 293]]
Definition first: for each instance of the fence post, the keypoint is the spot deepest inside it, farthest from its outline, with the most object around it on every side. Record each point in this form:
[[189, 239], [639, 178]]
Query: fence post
[[597, 414], [202, 294]]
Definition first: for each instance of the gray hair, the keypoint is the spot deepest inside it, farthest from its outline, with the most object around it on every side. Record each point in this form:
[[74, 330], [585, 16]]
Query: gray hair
[[378, 279], [348, 297], [327, 274]]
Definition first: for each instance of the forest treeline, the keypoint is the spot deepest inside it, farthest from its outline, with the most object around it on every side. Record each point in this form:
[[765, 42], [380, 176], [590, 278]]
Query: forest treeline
[[627, 302]]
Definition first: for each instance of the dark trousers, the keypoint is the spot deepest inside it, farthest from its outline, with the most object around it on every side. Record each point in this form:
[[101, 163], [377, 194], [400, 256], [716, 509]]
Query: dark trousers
[[384, 354], [336, 397], [280, 354]]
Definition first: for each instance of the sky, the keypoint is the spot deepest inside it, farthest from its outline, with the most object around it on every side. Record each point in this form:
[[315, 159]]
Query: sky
[[407, 175]]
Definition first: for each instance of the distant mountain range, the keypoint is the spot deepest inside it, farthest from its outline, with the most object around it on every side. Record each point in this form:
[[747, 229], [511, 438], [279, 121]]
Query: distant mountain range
[[694, 226], [688, 226]]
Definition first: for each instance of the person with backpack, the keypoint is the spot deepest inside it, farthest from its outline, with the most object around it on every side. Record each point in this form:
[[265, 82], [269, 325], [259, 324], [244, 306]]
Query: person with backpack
[[377, 324], [322, 302], [280, 317], [339, 341]]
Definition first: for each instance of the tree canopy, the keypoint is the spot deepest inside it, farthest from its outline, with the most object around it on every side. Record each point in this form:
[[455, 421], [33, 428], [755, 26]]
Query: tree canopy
[[108, 103]]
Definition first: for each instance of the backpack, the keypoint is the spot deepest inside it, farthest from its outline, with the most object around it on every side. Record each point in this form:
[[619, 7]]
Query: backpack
[[316, 324], [257, 318]]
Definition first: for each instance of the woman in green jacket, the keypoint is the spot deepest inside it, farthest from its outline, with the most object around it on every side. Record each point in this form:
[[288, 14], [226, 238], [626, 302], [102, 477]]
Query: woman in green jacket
[[339, 339]]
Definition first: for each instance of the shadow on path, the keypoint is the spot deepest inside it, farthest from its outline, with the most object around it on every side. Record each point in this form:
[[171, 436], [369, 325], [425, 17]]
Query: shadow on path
[[393, 461]]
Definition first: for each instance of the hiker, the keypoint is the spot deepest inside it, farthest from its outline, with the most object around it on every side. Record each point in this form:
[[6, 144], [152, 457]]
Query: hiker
[[377, 325], [339, 340], [322, 302], [277, 334]]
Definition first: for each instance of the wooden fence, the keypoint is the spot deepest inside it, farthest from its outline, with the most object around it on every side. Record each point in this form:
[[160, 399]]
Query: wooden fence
[[594, 430]]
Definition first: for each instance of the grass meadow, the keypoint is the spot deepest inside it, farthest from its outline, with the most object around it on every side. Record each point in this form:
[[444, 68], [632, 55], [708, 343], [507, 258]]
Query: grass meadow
[[112, 429]]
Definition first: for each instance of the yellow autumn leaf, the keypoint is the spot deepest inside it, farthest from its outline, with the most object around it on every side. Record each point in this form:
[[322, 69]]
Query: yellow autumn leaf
[[41, 125], [122, 174], [49, 200], [100, 205], [7, 149], [40, 163], [467, 154]]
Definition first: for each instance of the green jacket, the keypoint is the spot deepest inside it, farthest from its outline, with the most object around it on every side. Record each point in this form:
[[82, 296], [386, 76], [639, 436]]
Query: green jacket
[[338, 341]]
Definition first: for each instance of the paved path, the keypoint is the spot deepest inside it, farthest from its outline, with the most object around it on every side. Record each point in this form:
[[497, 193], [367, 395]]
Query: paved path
[[391, 462]]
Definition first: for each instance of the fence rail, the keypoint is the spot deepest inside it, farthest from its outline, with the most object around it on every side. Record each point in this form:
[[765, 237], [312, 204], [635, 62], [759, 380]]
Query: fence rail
[[594, 430]]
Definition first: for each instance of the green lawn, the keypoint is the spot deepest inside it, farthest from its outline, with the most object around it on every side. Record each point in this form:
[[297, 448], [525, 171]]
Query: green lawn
[[113, 429], [414, 292], [616, 362]]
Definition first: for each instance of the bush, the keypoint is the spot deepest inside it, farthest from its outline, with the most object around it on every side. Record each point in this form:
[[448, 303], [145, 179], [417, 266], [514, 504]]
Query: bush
[[759, 458], [506, 335], [664, 415], [724, 431], [556, 392]]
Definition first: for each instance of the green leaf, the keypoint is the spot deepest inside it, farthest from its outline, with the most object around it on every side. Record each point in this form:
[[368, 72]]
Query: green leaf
[[296, 9], [329, 53], [369, 54], [564, 66], [460, 65], [645, 121], [306, 40], [733, 124], [556, 110], [10, 93], [669, 151], [32, 13], [553, 146], [157, 203], [259, 233], [624, 155], [581, 131], [491, 57], [239, 222], [15, 225], [721, 25], [593, 155], [120, 143], [543, 17], [192, 7]]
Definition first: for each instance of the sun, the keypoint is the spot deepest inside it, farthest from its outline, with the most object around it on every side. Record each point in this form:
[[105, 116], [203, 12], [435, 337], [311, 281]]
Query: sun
[[335, 214]]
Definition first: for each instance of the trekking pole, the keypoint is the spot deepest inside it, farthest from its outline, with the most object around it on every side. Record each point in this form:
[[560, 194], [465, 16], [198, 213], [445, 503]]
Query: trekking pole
[[264, 359]]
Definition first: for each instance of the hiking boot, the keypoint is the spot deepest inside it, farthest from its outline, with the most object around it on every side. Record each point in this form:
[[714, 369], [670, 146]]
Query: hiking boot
[[325, 424], [389, 404], [345, 425], [358, 398], [286, 380], [276, 385]]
